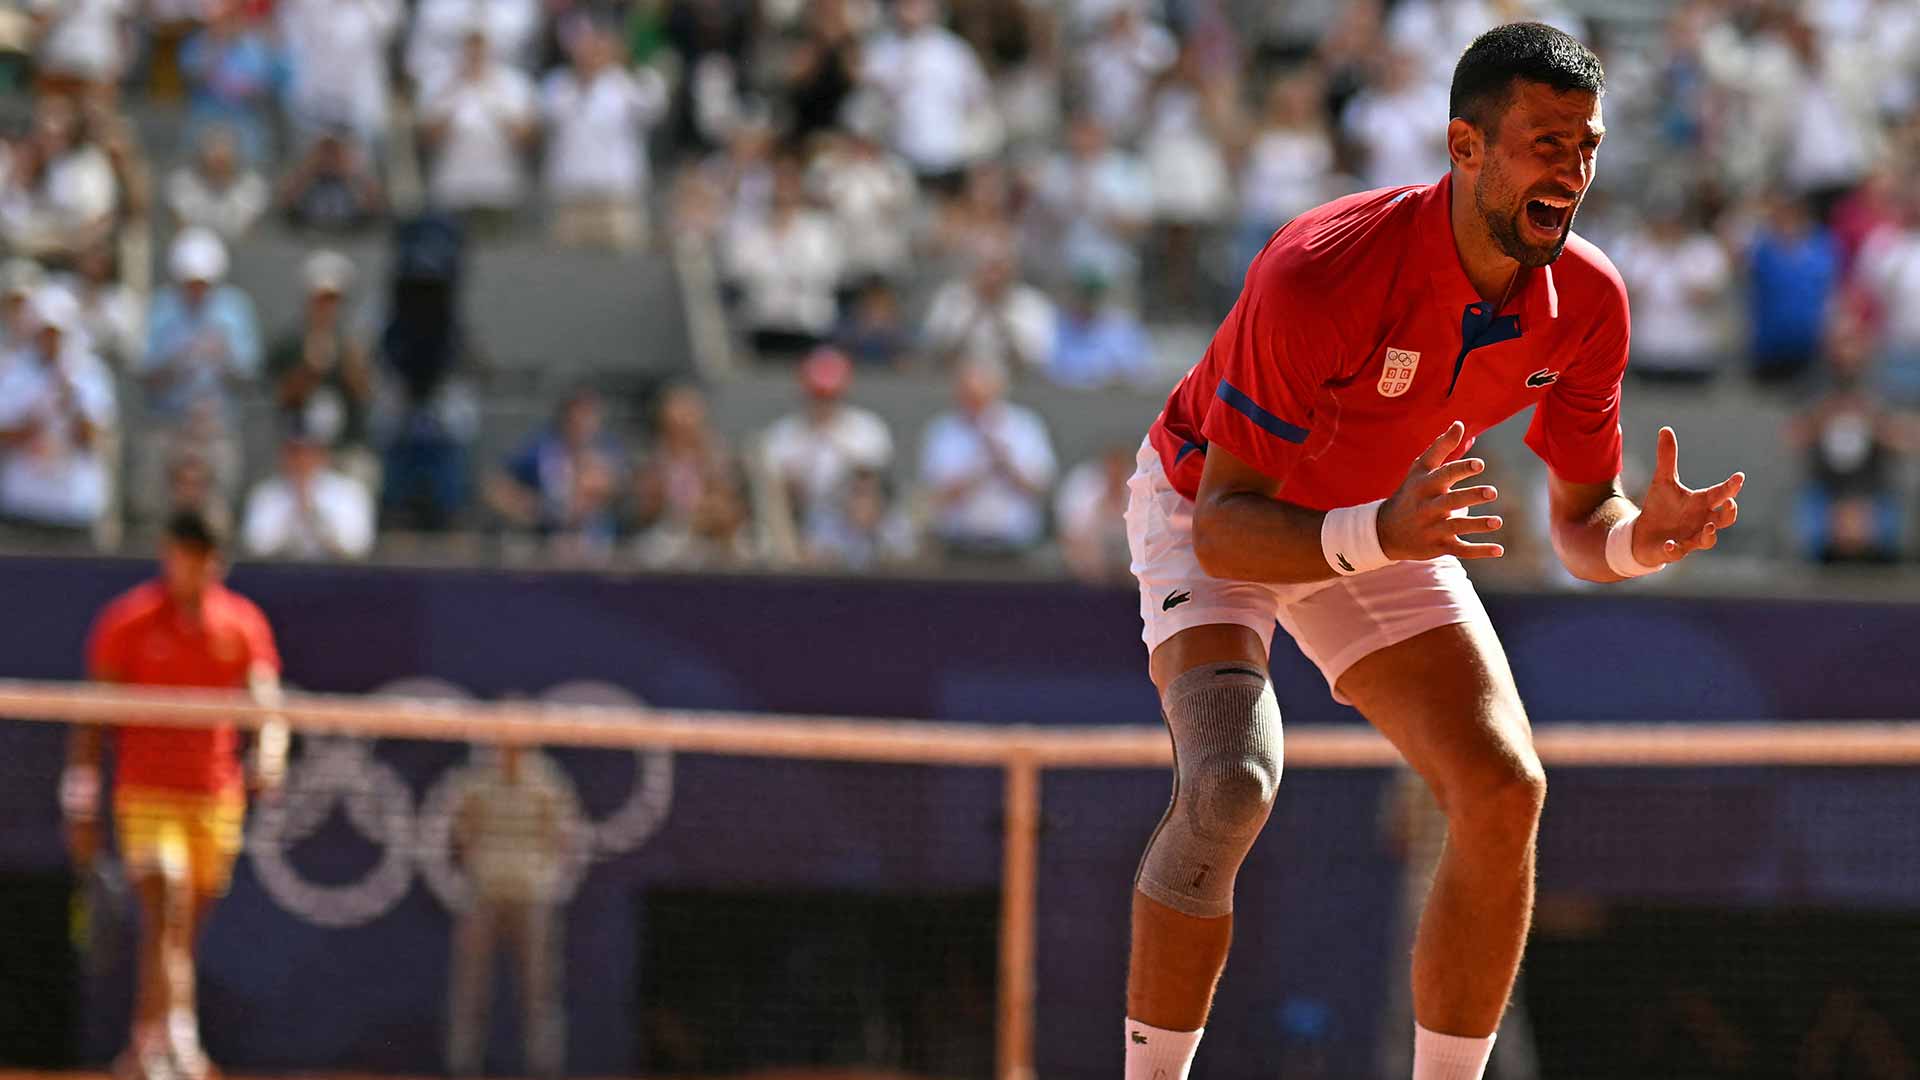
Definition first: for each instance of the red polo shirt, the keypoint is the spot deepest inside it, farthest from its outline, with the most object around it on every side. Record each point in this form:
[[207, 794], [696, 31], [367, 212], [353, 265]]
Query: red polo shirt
[[143, 638], [1357, 339]]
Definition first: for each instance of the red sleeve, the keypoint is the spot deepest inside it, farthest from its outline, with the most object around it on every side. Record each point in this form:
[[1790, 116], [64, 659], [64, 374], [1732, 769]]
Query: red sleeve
[[107, 642], [1270, 358], [1576, 427], [260, 646]]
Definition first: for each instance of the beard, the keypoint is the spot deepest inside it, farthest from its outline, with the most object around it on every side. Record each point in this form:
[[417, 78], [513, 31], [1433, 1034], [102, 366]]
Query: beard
[[1504, 224]]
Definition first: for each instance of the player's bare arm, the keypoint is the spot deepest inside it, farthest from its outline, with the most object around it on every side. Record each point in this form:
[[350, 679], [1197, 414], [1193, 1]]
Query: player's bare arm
[[1670, 523], [1242, 532], [270, 744], [80, 782]]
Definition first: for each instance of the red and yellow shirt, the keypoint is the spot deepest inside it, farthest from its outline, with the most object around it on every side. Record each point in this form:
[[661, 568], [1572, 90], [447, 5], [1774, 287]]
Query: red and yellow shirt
[[144, 638], [1357, 339]]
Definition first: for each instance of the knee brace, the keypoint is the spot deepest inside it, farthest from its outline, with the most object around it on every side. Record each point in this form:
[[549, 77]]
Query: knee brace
[[1226, 769]]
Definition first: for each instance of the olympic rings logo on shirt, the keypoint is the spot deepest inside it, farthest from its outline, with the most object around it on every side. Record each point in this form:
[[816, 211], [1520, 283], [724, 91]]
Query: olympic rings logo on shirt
[[342, 772]]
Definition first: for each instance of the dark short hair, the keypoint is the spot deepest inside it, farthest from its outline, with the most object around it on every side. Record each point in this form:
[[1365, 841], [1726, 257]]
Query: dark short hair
[[195, 528], [1483, 79]]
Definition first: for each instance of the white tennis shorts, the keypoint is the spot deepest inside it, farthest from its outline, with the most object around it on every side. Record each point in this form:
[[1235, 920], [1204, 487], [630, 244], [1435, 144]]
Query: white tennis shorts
[[1335, 622]]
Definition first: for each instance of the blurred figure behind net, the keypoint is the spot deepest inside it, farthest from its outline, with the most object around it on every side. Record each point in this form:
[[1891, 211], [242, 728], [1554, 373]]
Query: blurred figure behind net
[[180, 793], [516, 825]]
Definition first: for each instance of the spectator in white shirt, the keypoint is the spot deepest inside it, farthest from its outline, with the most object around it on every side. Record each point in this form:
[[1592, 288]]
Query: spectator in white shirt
[[82, 45], [872, 195], [60, 194], [811, 453], [1090, 515], [787, 266], [1286, 165], [1399, 125], [479, 124], [1186, 168], [20, 279], [307, 510], [1090, 207], [992, 316], [1119, 67], [597, 115], [1833, 129], [113, 315], [942, 104], [986, 468], [441, 37], [1680, 281], [56, 406], [216, 190], [338, 49]]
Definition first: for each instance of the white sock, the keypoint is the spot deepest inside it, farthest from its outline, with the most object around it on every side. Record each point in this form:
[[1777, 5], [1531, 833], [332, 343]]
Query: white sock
[[1448, 1057], [1157, 1054]]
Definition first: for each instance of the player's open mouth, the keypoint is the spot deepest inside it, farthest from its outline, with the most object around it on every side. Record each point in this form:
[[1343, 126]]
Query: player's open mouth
[[1549, 215]]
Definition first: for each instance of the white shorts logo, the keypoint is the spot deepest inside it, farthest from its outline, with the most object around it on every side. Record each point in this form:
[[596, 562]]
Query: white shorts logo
[[1397, 376]]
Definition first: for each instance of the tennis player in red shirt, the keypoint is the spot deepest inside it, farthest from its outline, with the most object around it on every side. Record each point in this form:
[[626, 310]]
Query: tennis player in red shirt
[[1311, 470], [179, 793]]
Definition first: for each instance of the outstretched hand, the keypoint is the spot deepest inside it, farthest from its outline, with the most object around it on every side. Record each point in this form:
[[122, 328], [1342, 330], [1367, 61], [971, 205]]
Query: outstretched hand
[[1428, 516], [1676, 520]]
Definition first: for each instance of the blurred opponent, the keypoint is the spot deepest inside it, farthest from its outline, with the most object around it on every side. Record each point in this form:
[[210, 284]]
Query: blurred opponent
[[1306, 472], [179, 793]]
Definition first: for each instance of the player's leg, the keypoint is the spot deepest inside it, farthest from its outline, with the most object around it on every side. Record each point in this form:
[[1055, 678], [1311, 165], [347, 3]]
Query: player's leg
[[1176, 958], [213, 842], [150, 997], [1207, 641], [1225, 725], [1446, 699], [143, 833], [1410, 646]]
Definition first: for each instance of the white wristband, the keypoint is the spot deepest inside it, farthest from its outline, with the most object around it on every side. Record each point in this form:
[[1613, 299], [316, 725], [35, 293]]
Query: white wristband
[[1350, 539], [1620, 557], [80, 791]]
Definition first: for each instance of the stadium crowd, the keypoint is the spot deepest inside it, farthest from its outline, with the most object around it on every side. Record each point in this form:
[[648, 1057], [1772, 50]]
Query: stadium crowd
[[988, 192]]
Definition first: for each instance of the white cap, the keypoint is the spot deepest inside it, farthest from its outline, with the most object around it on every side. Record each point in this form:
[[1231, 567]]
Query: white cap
[[328, 271], [54, 308], [197, 255]]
